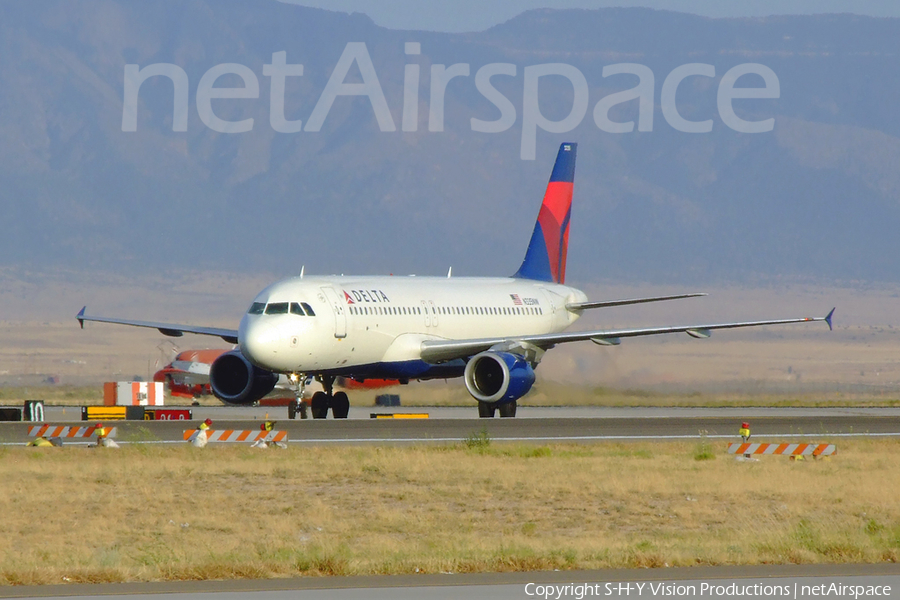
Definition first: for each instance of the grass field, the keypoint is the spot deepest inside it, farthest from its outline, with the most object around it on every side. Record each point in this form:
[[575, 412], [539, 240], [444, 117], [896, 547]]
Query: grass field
[[148, 512]]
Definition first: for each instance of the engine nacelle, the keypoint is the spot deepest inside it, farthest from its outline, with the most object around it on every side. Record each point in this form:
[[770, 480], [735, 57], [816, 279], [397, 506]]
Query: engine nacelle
[[498, 377], [235, 380]]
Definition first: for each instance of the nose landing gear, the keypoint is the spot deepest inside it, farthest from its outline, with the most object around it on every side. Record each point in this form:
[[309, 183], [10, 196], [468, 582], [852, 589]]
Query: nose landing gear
[[298, 406]]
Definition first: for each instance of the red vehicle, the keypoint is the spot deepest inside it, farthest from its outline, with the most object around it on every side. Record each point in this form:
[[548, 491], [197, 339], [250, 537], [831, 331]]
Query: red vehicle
[[187, 376]]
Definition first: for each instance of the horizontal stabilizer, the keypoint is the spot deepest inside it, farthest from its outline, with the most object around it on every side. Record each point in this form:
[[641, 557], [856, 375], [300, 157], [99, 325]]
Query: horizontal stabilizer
[[608, 303]]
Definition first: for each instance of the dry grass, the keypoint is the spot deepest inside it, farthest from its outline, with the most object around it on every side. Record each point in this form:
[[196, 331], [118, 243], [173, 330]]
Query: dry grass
[[163, 512]]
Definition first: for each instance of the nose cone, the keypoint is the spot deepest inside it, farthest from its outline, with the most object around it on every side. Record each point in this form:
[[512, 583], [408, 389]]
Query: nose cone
[[259, 341]]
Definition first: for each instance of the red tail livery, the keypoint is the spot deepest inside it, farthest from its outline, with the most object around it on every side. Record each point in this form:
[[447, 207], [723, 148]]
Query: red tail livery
[[545, 259]]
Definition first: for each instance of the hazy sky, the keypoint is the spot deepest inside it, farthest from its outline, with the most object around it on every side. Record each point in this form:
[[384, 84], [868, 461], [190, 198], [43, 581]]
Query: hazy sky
[[477, 15]]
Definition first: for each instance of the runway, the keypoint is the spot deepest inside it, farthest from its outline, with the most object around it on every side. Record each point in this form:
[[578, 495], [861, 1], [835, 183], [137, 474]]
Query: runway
[[615, 425], [241, 413], [755, 580]]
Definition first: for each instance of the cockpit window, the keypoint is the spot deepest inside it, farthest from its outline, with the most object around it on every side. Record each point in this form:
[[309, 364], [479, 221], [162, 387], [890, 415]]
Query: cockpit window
[[309, 311], [257, 308], [296, 310], [277, 308]]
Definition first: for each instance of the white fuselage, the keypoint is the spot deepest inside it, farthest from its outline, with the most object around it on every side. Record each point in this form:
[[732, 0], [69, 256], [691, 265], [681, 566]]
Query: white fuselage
[[375, 326]]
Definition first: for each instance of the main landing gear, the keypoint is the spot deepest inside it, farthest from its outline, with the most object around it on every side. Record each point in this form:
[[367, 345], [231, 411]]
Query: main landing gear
[[487, 409], [322, 401]]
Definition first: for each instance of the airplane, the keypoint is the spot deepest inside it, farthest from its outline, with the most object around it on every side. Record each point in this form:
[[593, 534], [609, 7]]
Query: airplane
[[490, 331]]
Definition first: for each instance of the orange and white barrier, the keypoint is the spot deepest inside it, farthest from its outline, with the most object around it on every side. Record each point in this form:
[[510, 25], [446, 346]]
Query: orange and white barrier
[[133, 393], [784, 449], [59, 431], [237, 435]]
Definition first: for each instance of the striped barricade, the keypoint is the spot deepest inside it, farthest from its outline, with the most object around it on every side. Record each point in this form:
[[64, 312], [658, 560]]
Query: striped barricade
[[784, 449], [237, 435], [60, 431]]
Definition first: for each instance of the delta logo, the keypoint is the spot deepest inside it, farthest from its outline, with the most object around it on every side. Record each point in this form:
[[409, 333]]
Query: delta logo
[[365, 296]]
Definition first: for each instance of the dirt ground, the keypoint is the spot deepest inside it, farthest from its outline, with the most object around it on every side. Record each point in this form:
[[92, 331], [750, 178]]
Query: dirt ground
[[41, 343]]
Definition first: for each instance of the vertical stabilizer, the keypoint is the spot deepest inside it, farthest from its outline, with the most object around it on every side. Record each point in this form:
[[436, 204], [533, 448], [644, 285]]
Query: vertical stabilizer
[[545, 259]]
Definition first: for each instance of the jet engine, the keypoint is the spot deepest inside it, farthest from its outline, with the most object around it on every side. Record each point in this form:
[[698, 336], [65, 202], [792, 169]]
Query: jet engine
[[234, 380], [498, 377]]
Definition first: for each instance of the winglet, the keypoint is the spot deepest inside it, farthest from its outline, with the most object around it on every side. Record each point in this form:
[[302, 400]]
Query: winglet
[[81, 314], [828, 320]]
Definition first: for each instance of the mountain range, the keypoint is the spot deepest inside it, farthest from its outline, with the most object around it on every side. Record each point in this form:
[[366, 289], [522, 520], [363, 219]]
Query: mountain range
[[816, 198]]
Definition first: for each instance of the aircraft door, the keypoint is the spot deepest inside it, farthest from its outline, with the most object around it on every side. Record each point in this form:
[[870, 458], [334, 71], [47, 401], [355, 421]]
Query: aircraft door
[[427, 314], [340, 317], [434, 313]]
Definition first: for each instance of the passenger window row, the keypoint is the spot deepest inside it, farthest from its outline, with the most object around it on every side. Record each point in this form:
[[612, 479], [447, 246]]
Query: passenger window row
[[304, 309], [385, 310], [447, 310]]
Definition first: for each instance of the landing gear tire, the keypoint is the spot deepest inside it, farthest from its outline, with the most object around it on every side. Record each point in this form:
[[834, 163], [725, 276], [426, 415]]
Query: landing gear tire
[[340, 406], [295, 408], [319, 405], [508, 409], [486, 410]]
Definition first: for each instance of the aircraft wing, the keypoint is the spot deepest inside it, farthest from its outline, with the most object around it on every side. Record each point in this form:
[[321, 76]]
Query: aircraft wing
[[434, 351], [229, 335]]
